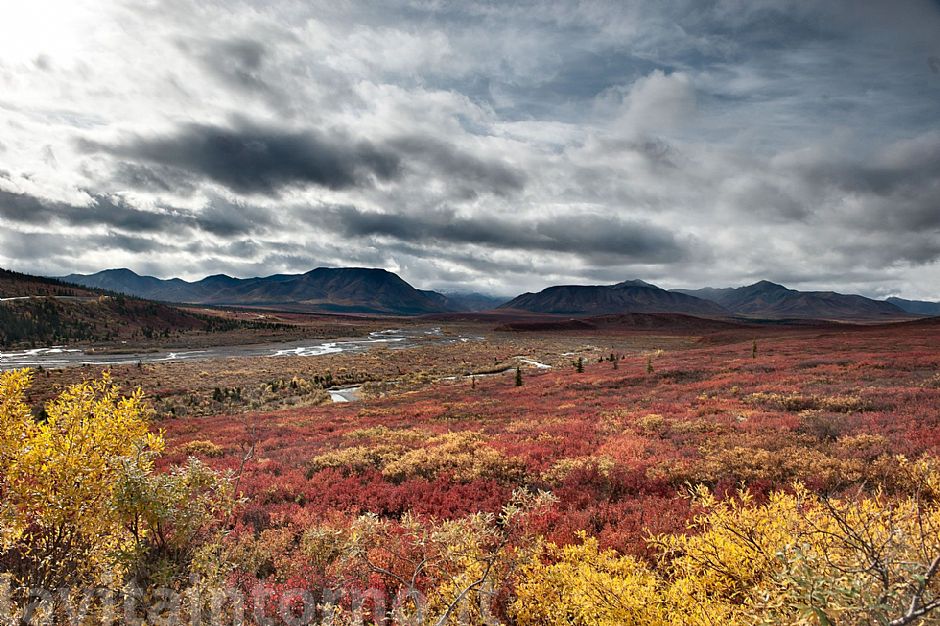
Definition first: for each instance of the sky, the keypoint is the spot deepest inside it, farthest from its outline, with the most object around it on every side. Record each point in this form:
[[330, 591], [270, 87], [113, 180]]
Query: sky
[[497, 147]]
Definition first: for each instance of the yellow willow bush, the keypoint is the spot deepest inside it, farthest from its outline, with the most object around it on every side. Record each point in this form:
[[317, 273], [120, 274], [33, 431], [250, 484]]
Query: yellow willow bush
[[582, 584], [57, 476], [798, 558], [81, 503]]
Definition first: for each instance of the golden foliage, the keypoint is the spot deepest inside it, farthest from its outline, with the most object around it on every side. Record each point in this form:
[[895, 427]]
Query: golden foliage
[[653, 424], [460, 562], [747, 464], [584, 585], [466, 456], [203, 447], [798, 558], [81, 503], [57, 476], [797, 402], [389, 435], [562, 468], [356, 459]]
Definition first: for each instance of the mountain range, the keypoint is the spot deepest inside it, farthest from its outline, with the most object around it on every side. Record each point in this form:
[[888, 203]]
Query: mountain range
[[632, 296], [769, 300], [377, 291], [762, 300], [324, 289]]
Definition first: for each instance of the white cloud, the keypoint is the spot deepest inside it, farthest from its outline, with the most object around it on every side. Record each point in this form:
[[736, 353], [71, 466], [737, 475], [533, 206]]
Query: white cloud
[[657, 102]]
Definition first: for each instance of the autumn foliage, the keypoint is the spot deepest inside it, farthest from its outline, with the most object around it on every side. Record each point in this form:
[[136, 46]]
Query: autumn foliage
[[700, 484], [81, 502]]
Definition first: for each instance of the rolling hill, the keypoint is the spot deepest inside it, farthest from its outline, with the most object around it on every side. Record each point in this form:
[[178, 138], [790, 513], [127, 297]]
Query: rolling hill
[[16, 285], [633, 296], [38, 311], [769, 300], [324, 289]]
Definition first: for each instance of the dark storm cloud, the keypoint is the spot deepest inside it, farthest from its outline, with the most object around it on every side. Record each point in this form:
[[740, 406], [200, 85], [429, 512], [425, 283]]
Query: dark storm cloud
[[895, 191], [150, 178], [239, 62], [129, 243], [468, 262], [35, 249], [23, 208], [457, 166], [586, 235], [250, 158], [875, 180], [102, 210], [220, 217], [118, 213], [230, 219]]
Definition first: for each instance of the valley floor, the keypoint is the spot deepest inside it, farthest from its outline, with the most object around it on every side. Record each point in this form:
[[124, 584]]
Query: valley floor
[[616, 445], [617, 440]]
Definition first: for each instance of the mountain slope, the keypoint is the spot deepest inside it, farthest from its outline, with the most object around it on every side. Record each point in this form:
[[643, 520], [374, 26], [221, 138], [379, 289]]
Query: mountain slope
[[127, 282], [916, 307], [769, 300], [633, 296], [16, 285], [628, 322], [348, 289], [43, 311]]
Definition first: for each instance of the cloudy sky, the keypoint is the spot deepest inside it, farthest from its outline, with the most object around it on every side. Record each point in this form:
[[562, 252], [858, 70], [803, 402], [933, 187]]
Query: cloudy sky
[[492, 146]]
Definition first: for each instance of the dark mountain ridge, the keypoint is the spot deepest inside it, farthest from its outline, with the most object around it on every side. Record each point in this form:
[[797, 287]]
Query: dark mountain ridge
[[632, 296], [768, 300], [377, 291], [326, 289]]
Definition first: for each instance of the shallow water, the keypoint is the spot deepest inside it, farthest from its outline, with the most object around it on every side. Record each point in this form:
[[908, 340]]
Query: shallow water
[[344, 394], [64, 356]]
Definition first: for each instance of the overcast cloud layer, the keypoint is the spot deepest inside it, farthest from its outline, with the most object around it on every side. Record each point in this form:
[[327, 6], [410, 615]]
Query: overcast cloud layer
[[487, 146]]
